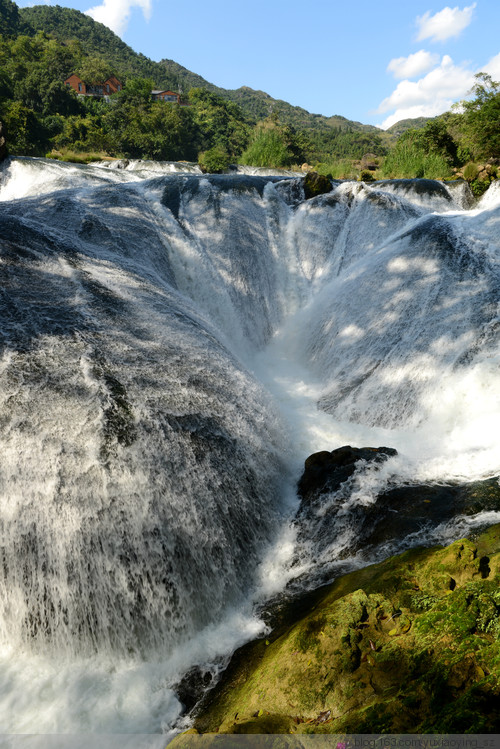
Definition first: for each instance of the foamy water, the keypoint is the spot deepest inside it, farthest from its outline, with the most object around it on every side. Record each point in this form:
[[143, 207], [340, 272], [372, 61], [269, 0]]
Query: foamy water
[[174, 347]]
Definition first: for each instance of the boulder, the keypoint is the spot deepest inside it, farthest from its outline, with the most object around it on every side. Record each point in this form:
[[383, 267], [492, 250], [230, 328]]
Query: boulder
[[3, 145], [316, 184], [410, 645], [326, 471], [394, 513]]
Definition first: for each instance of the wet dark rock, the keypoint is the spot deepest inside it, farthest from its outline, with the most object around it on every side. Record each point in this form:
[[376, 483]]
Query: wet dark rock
[[326, 471], [3, 145], [193, 686], [404, 509], [316, 184], [394, 514], [419, 186]]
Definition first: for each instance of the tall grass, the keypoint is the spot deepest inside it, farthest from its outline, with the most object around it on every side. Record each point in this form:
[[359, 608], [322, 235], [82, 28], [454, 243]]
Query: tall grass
[[407, 160], [267, 149], [76, 157], [339, 169]]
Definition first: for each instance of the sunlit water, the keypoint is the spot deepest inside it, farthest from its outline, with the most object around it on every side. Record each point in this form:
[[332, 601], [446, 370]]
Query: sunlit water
[[173, 347]]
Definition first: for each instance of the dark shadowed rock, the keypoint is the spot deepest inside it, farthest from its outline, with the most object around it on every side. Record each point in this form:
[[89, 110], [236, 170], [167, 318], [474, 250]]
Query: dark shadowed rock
[[393, 515], [316, 184], [326, 471]]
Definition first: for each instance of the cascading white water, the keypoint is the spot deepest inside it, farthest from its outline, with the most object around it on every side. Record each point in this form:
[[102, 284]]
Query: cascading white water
[[165, 343]]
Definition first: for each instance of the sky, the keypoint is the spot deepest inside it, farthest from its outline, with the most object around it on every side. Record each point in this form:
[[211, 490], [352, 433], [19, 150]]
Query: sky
[[374, 61]]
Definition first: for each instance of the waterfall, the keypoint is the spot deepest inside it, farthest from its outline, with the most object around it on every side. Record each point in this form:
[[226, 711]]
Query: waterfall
[[173, 346]]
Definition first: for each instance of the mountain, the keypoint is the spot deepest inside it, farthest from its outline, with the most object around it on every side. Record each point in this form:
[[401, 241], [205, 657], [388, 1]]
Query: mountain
[[97, 39], [409, 124]]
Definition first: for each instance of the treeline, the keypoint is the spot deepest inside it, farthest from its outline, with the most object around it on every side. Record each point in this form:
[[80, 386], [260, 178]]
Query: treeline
[[464, 142], [41, 46]]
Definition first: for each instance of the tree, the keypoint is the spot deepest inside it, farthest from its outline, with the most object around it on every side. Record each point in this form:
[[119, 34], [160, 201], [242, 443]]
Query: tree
[[9, 17], [275, 145], [481, 118], [24, 131], [219, 122], [46, 96]]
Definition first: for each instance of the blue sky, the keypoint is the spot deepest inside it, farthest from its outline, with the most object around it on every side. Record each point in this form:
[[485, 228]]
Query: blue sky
[[375, 61]]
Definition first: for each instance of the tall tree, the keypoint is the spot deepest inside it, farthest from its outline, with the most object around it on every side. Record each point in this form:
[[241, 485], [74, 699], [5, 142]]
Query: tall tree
[[481, 118], [9, 17]]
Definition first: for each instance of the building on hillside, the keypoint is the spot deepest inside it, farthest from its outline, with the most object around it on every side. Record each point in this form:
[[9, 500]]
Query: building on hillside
[[169, 96], [108, 87]]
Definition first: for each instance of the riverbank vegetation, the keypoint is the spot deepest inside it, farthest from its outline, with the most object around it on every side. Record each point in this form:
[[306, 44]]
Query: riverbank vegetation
[[41, 47]]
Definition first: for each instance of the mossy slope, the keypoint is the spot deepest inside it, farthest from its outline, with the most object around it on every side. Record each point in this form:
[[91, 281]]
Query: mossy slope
[[408, 645]]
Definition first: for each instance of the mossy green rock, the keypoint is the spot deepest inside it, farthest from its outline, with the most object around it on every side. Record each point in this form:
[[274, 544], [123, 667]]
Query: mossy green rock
[[316, 184], [409, 645]]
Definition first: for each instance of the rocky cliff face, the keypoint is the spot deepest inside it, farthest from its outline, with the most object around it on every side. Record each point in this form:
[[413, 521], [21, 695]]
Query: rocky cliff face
[[3, 145], [409, 645]]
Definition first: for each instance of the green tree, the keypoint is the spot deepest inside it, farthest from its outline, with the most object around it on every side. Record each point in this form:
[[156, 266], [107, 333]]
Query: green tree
[[219, 122], [9, 17], [95, 70], [275, 145], [24, 131], [45, 96], [480, 122]]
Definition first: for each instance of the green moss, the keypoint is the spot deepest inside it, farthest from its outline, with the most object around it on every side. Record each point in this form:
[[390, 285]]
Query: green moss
[[408, 645]]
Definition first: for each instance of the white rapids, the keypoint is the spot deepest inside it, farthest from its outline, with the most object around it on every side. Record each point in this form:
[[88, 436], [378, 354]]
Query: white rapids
[[173, 346]]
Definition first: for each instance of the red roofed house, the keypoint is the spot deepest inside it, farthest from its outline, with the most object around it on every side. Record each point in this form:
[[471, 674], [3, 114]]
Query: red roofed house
[[166, 96], [110, 86]]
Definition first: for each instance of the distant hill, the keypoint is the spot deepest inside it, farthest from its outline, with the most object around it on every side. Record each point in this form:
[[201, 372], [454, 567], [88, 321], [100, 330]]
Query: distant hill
[[326, 137], [410, 124], [97, 39]]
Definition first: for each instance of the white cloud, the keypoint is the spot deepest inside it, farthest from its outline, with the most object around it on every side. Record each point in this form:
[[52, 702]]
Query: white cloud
[[429, 96], [447, 23], [116, 13], [493, 67], [413, 65]]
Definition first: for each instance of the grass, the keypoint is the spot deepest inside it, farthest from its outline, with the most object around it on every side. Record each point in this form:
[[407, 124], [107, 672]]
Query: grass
[[66, 154], [408, 161]]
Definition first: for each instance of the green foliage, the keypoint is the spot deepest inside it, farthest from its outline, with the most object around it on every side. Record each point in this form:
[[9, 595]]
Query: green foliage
[[24, 131], [95, 70], [409, 159], [214, 161], [366, 176], [342, 143], [428, 152], [218, 122], [274, 145], [480, 119], [9, 17]]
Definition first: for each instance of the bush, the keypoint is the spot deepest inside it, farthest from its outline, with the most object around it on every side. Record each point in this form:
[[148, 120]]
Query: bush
[[470, 171], [275, 145], [366, 176], [214, 161]]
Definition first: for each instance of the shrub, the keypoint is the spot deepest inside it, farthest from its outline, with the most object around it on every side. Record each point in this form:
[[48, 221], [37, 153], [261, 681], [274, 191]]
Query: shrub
[[366, 176], [214, 161], [470, 171]]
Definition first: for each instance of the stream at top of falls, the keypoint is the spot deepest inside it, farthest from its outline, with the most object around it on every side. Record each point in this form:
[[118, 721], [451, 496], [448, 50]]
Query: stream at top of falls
[[173, 346]]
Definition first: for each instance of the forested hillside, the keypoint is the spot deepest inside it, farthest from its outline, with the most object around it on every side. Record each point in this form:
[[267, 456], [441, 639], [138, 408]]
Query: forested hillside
[[40, 47]]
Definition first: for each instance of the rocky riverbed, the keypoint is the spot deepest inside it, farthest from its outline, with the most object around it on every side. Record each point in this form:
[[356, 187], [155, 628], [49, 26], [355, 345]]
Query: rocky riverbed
[[411, 644]]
